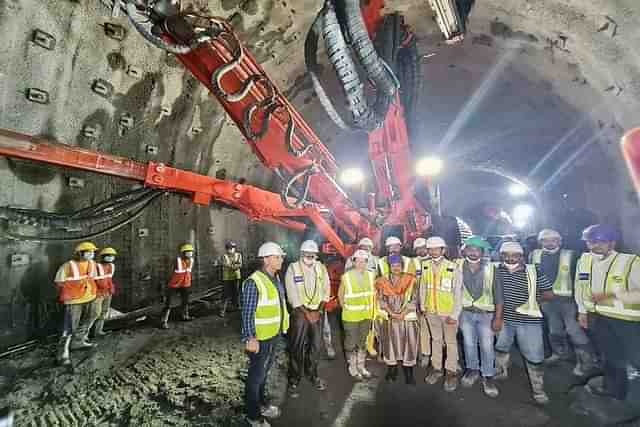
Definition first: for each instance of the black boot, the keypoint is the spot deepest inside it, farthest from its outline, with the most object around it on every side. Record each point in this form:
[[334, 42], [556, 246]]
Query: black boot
[[408, 375], [392, 373]]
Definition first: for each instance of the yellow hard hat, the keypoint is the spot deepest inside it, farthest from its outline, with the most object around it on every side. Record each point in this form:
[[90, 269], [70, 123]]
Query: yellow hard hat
[[108, 251], [86, 247], [186, 247]]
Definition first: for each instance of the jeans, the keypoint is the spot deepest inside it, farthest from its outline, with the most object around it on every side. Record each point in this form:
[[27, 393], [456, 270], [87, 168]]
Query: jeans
[[476, 331], [305, 342], [619, 343], [259, 366], [561, 314], [529, 337]]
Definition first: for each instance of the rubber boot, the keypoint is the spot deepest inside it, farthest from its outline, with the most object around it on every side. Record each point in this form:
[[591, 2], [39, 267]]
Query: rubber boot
[[223, 310], [63, 351], [185, 314], [559, 349], [352, 362], [392, 373], [502, 365], [536, 377], [80, 341], [164, 321], [409, 379], [362, 359], [100, 329], [585, 363]]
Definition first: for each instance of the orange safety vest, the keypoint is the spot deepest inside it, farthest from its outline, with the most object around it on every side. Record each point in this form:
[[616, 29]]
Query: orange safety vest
[[104, 279], [182, 275], [77, 284]]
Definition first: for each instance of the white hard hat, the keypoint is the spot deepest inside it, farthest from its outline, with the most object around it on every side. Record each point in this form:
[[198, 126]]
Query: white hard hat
[[419, 242], [392, 240], [548, 233], [436, 242], [269, 249], [361, 254], [365, 241], [513, 247], [309, 246]]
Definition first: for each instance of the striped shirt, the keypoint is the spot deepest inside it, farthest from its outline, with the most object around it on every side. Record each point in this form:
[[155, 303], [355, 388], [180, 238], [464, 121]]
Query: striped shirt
[[515, 290]]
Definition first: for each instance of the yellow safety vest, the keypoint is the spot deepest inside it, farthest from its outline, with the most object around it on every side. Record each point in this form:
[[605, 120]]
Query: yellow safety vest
[[408, 266], [531, 307], [563, 286], [439, 299], [229, 273], [417, 265], [310, 301], [617, 278], [486, 301], [358, 296], [270, 312]]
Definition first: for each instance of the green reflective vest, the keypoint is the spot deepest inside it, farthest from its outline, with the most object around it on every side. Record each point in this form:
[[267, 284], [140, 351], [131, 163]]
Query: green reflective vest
[[271, 312], [486, 301], [439, 298], [617, 278], [408, 266], [531, 307], [228, 272], [563, 286], [358, 296], [313, 300]]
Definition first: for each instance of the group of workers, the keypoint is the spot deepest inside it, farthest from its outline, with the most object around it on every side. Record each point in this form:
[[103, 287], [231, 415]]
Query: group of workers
[[406, 311]]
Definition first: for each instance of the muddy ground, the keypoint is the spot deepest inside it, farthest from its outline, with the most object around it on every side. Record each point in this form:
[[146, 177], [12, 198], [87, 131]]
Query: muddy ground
[[192, 375]]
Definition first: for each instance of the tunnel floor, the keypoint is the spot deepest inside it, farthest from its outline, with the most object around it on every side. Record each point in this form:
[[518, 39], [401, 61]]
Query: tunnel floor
[[192, 375]]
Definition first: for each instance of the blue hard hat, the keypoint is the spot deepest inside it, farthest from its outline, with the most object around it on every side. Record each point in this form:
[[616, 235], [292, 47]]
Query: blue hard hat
[[601, 233], [230, 244]]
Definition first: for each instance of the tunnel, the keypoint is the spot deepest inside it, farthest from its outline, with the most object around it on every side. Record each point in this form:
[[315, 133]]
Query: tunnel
[[526, 109]]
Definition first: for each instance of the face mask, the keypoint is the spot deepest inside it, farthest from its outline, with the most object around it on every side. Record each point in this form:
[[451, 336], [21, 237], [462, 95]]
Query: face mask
[[473, 261], [88, 256], [232, 250], [109, 259], [438, 259], [188, 254], [599, 256], [308, 261], [550, 251], [510, 266]]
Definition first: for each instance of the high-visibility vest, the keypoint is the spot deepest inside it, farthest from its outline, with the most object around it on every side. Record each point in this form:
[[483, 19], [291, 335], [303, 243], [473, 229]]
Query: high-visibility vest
[[271, 312], [358, 296], [104, 279], [563, 286], [229, 273], [77, 287], [181, 277], [408, 266], [417, 262], [439, 297], [486, 301], [617, 278], [531, 307], [310, 301]]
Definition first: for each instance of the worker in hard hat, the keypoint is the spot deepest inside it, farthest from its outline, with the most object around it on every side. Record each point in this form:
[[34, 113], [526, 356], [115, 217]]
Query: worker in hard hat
[[75, 280], [558, 265], [421, 255], [397, 301], [480, 305], [365, 244], [608, 297], [180, 283], [308, 290], [105, 287], [356, 299], [394, 247], [522, 286], [440, 297], [264, 319], [231, 274]]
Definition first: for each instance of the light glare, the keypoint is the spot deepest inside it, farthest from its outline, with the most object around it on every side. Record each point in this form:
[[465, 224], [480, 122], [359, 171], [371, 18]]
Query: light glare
[[352, 176], [429, 166], [518, 190]]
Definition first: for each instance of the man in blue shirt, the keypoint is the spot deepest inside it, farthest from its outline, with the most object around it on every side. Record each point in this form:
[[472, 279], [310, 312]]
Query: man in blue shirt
[[260, 341]]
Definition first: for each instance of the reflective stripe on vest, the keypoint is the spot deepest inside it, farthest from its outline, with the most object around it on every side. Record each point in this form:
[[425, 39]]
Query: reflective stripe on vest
[[102, 274], [75, 271], [417, 261], [485, 302], [617, 277], [314, 302], [228, 272], [531, 307], [270, 313], [358, 297], [439, 298], [385, 269], [180, 268], [563, 286]]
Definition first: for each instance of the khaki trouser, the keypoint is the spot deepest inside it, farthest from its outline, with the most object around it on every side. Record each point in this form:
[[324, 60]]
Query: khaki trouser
[[425, 337], [443, 335], [102, 307]]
